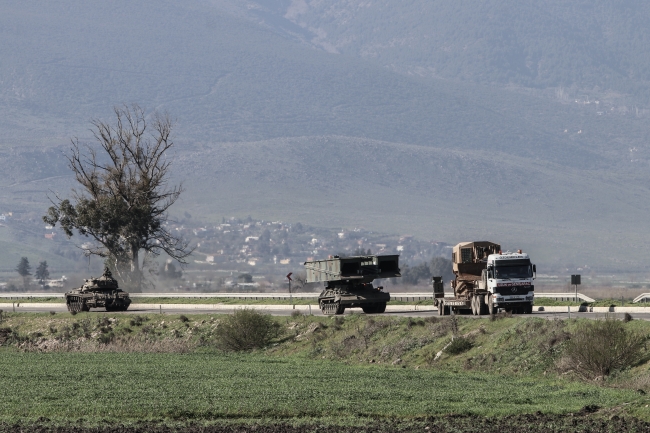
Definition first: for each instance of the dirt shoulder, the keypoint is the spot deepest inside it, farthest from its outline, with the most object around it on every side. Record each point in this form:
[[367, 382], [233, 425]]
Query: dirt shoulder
[[583, 421]]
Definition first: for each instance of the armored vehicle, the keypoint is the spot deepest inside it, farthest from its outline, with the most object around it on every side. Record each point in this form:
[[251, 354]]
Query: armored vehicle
[[97, 293], [487, 280], [348, 282]]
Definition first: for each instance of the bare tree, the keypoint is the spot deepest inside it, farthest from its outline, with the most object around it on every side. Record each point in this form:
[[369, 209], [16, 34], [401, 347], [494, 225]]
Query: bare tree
[[124, 194]]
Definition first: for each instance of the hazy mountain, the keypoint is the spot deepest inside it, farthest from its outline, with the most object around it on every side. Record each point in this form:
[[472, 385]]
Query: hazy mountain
[[594, 46], [435, 118]]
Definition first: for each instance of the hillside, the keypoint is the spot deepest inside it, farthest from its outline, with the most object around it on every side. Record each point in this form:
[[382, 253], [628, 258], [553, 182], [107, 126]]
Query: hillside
[[594, 47], [276, 124]]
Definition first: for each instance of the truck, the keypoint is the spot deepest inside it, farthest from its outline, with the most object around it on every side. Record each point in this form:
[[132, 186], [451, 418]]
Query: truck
[[487, 280], [101, 292], [348, 282]]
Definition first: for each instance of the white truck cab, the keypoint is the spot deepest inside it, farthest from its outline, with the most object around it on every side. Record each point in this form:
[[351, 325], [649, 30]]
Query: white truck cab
[[508, 280]]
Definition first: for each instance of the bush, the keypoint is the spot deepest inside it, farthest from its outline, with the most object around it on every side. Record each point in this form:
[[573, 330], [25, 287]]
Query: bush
[[458, 345], [600, 347], [247, 329], [138, 320]]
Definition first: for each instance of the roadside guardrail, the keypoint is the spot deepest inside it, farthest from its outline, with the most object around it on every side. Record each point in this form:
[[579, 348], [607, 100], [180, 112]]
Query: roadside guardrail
[[565, 296], [642, 297], [395, 296]]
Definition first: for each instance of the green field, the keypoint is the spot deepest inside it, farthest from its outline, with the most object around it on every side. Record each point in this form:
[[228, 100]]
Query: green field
[[97, 367], [210, 386]]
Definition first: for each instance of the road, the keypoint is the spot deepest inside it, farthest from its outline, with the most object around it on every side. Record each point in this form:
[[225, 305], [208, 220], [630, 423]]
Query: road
[[278, 310]]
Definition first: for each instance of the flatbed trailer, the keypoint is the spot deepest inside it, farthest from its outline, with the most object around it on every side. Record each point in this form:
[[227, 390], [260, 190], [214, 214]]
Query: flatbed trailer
[[487, 280]]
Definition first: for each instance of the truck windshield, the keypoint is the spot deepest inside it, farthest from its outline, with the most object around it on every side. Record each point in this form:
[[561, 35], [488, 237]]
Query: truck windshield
[[517, 271]]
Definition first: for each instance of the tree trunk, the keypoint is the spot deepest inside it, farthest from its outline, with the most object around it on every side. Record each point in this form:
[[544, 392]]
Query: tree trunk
[[136, 273]]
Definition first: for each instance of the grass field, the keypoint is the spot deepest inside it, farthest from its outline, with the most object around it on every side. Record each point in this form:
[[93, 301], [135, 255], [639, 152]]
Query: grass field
[[98, 387]]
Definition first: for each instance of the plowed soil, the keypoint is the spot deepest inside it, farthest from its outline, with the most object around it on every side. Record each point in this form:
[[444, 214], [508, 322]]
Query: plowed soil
[[581, 422]]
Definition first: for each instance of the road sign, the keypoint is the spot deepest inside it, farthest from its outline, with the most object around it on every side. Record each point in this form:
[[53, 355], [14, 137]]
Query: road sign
[[289, 276]]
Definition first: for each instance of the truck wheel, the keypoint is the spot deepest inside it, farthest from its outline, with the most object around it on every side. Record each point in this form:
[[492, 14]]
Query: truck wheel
[[528, 309], [441, 309], [490, 305], [473, 303], [369, 308], [84, 306], [481, 308], [339, 309], [381, 307]]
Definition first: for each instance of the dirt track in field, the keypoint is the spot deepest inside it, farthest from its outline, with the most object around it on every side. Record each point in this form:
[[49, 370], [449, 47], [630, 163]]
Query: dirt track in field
[[581, 422]]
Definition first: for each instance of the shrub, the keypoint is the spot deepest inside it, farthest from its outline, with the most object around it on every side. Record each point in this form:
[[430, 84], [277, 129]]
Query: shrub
[[138, 320], [247, 329], [183, 318], [458, 345], [600, 347], [106, 338]]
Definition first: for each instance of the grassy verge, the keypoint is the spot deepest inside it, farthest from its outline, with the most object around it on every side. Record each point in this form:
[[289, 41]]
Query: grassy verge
[[116, 367], [599, 303], [313, 301]]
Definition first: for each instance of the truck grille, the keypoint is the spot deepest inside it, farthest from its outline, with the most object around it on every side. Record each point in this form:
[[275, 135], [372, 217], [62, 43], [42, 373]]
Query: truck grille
[[513, 290]]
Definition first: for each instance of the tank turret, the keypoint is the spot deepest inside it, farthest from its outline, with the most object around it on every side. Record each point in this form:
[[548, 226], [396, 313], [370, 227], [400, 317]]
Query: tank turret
[[100, 292]]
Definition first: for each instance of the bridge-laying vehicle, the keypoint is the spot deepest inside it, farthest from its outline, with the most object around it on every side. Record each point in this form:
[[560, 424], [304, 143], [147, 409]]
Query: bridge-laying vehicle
[[348, 282], [102, 292], [486, 280]]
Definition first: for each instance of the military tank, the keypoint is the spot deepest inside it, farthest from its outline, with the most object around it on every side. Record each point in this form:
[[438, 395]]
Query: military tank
[[102, 292], [348, 282]]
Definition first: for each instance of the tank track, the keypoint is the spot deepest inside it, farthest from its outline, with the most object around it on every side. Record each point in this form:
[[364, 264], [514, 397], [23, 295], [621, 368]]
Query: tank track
[[331, 308], [76, 304]]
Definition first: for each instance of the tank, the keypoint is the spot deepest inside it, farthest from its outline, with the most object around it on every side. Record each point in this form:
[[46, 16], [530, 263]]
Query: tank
[[348, 282], [102, 292]]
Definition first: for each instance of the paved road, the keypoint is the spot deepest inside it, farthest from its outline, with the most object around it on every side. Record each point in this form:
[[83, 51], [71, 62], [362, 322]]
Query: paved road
[[282, 311]]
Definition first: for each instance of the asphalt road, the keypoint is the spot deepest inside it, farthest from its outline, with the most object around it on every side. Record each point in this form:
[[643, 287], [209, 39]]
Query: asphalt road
[[288, 311]]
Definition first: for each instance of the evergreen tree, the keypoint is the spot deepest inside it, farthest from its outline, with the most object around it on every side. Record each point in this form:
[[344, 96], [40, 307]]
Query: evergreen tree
[[25, 270], [41, 272]]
